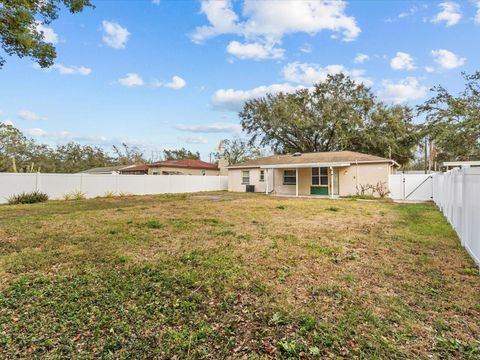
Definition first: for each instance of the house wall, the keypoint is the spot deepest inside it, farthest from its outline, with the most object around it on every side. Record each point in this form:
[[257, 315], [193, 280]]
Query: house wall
[[304, 182], [370, 174], [235, 180], [184, 171], [367, 174]]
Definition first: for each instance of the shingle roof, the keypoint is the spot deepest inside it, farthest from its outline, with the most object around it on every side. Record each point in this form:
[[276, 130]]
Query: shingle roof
[[312, 158], [102, 170], [190, 164], [139, 167]]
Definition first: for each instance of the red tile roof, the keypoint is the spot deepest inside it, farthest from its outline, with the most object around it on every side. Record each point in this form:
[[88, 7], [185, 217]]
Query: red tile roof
[[189, 164]]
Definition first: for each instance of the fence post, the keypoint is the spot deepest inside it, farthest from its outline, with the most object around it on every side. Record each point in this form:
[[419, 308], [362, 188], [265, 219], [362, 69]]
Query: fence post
[[37, 181]]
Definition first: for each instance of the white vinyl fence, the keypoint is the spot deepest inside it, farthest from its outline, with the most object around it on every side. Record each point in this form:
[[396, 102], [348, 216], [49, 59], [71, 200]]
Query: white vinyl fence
[[457, 194], [415, 187], [57, 185]]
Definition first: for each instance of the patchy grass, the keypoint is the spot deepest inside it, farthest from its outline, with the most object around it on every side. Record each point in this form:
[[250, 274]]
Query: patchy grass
[[222, 276]]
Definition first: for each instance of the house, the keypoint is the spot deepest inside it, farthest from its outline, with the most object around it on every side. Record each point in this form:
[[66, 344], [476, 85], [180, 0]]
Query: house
[[140, 169], [460, 164], [338, 173], [106, 170], [183, 167]]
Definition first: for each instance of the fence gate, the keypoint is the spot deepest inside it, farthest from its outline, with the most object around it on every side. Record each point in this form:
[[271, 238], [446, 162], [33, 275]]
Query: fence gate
[[417, 187]]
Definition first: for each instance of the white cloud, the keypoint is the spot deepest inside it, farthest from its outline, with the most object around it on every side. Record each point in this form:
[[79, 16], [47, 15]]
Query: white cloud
[[361, 58], [210, 128], [450, 13], [429, 69], [267, 22], [195, 140], [71, 70], [29, 115], [49, 35], [156, 2], [176, 83], [231, 99], [130, 80], [35, 132], [306, 48], [410, 12], [404, 90], [115, 35], [447, 59], [305, 73], [255, 51], [402, 61]]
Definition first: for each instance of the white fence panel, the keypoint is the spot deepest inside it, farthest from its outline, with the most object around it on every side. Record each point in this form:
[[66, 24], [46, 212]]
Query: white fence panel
[[457, 194], [417, 187], [57, 185]]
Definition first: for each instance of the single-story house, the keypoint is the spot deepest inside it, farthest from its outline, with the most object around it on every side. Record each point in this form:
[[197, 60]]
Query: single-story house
[[106, 170], [140, 169], [337, 173], [183, 167]]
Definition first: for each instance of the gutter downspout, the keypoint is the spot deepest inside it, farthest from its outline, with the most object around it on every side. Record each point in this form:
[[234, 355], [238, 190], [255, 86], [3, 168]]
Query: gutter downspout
[[356, 175]]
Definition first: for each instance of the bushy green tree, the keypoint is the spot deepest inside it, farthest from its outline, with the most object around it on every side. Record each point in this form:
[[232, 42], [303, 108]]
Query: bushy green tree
[[337, 114], [20, 31], [453, 122], [180, 154], [237, 150]]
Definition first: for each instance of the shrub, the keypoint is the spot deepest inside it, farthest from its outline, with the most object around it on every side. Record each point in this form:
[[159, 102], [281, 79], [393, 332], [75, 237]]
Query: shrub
[[109, 194], [28, 198], [74, 195]]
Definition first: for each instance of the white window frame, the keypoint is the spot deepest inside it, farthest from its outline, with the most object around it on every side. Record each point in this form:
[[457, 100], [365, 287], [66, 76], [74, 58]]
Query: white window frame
[[245, 177], [262, 176], [290, 176]]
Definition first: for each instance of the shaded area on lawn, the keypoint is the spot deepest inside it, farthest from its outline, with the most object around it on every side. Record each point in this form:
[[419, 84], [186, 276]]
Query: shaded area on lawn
[[187, 276]]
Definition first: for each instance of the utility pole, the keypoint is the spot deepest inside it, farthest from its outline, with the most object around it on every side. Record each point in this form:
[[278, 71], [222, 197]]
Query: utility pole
[[425, 154]]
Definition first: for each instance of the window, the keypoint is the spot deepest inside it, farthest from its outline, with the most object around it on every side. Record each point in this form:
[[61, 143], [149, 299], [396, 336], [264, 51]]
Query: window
[[315, 176], [262, 175], [203, 172], [289, 177], [323, 176], [246, 177], [320, 176]]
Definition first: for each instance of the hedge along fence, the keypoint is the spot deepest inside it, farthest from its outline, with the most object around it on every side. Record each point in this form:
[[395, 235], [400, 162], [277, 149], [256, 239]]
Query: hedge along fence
[[57, 185]]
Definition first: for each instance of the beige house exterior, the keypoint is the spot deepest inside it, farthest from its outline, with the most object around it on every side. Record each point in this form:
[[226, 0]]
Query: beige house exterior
[[183, 167], [339, 173]]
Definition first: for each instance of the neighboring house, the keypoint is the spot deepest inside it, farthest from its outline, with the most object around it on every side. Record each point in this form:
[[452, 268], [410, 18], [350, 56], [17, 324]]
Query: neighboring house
[[106, 170], [338, 173], [183, 167], [140, 169], [460, 164]]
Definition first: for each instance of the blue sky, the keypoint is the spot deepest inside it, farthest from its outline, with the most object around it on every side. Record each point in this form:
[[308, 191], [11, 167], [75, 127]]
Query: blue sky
[[171, 74]]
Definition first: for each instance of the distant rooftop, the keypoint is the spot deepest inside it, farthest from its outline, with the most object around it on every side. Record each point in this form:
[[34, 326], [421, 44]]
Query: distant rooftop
[[188, 163]]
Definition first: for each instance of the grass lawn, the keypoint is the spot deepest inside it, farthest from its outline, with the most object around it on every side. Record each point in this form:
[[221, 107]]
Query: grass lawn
[[234, 276]]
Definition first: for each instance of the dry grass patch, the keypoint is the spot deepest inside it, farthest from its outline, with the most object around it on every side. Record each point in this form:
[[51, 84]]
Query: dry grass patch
[[229, 275]]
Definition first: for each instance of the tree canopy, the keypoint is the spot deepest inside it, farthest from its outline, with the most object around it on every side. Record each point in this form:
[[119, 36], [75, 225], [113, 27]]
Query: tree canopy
[[337, 114], [237, 150], [21, 27], [180, 154], [453, 122], [20, 154]]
